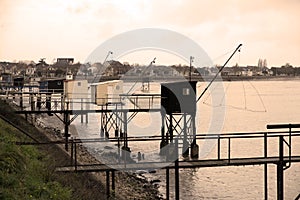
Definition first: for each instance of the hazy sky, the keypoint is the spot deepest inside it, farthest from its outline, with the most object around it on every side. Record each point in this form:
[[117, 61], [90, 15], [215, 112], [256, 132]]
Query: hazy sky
[[269, 29]]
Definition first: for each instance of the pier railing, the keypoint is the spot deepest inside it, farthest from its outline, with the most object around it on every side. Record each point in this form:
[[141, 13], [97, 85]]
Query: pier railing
[[220, 139], [281, 160], [75, 100]]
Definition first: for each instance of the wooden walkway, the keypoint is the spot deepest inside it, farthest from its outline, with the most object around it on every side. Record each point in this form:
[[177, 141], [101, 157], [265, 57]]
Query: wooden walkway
[[74, 112], [181, 164]]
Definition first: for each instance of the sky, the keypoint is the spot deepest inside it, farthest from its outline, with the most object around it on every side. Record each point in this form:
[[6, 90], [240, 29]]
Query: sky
[[268, 29]]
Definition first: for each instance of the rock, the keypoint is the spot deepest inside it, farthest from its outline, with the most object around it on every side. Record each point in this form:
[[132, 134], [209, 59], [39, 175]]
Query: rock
[[151, 171], [108, 147], [155, 181], [140, 171]]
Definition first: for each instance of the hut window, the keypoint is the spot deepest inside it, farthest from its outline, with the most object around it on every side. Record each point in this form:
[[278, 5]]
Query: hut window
[[79, 84], [186, 91]]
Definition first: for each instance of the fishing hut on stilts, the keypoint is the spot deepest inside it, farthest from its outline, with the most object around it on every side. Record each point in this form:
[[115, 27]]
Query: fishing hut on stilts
[[178, 113]]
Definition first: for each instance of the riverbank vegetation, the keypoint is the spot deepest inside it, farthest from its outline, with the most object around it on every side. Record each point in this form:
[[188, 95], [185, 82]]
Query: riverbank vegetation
[[24, 171], [28, 171]]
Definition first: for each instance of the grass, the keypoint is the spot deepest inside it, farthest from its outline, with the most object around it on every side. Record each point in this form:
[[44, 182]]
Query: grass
[[27, 172], [24, 171]]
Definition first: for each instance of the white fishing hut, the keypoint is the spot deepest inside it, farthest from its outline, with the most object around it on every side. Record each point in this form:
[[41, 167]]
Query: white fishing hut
[[76, 89], [107, 92]]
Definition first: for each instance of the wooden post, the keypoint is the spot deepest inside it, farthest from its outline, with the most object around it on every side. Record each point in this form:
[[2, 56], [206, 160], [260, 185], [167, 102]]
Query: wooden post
[[81, 116], [194, 146], [164, 140], [280, 164], [125, 129], [119, 153], [32, 103], [72, 150], [21, 101], [87, 114], [113, 182], [229, 150], [219, 147], [102, 121], [126, 150], [87, 118], [176, 171], [171, 127], [62, 102], [185, 148], [66, 122], [107, 185], [167, 183], [39, 102], [75, 152], [266, 166]]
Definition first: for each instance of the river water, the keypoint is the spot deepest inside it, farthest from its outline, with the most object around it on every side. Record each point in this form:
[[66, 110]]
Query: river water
[[249, 107]]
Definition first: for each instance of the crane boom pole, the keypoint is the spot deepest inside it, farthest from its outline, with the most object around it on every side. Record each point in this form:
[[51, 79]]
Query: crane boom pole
[[109, 53], [220, 70], [143, 72]]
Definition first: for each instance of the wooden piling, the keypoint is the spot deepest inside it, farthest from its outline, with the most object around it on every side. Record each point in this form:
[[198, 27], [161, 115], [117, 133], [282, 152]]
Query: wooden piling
[[280, 165]]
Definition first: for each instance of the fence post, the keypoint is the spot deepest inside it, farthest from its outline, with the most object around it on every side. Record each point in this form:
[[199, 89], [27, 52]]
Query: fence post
[[229, 150], [176, 170], [280, 165], [266, 165], [219, 147], [72, 151]]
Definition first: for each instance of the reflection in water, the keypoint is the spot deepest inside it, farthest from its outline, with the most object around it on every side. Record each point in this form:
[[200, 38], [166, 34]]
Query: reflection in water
[[246, 104]]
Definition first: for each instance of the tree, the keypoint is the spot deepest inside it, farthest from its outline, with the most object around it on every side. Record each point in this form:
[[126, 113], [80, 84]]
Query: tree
[[265, 63], [59, 72], [42, 62]]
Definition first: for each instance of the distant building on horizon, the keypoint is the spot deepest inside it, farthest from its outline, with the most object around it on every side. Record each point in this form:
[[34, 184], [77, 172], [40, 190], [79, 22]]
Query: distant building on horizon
[[64, 61]]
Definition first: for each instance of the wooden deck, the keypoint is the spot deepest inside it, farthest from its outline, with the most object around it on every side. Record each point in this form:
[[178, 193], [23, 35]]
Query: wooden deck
[[74, 112], [181, 164]]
